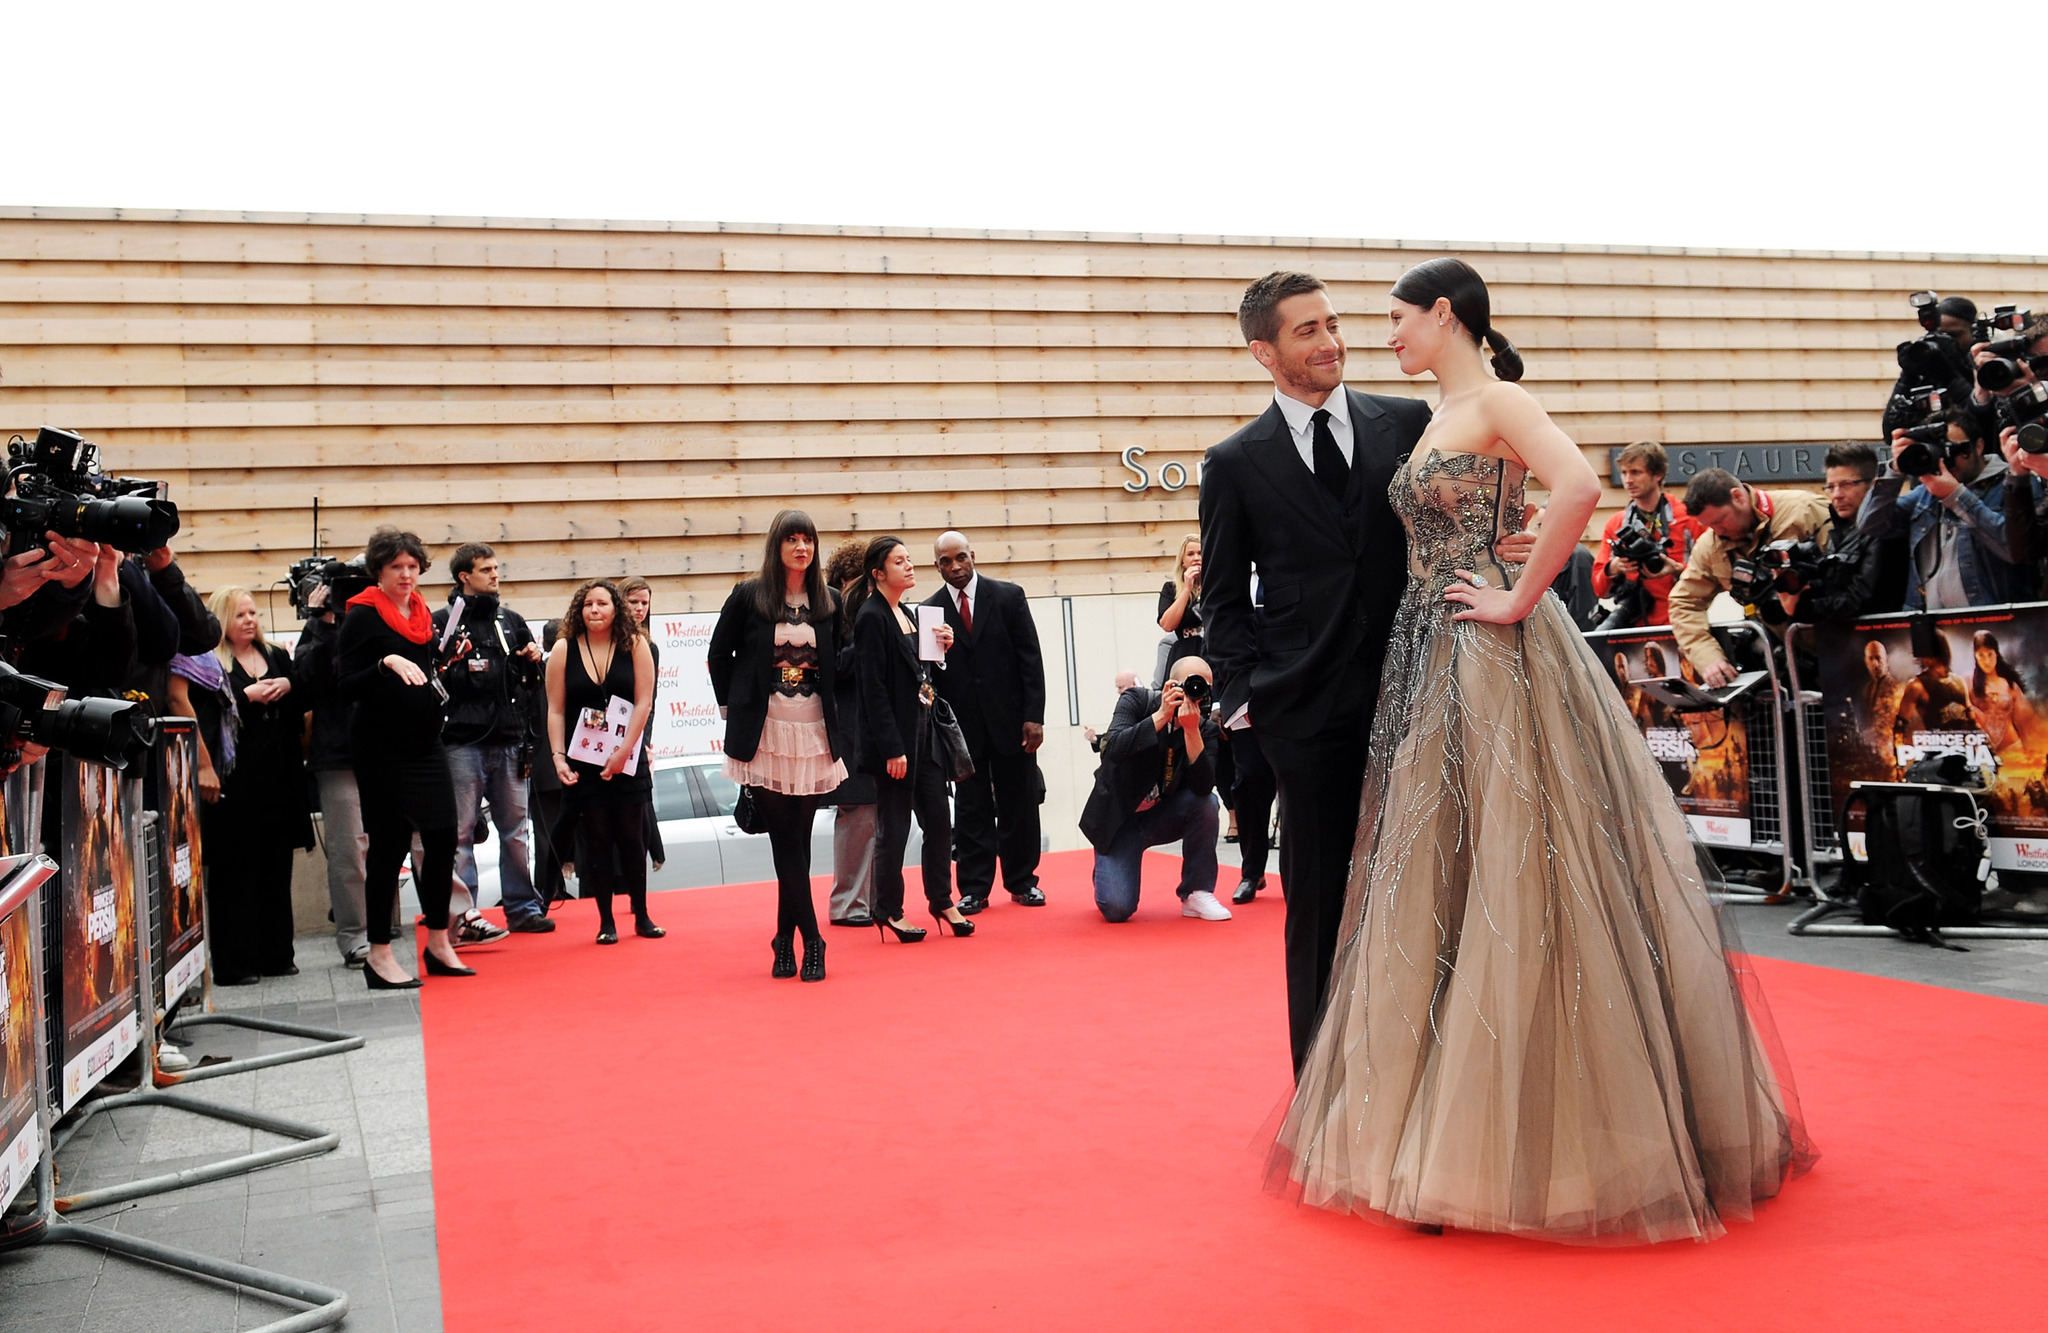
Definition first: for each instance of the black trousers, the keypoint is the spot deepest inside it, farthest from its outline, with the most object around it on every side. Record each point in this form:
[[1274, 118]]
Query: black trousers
[[611, 856], [1252, 799], [997, 809], [923, 792], [248, 869], [1319, 780], [788, 819]]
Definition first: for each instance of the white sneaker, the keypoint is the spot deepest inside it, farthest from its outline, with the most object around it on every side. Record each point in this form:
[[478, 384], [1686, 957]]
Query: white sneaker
[[172, 1060], [1203, 904]]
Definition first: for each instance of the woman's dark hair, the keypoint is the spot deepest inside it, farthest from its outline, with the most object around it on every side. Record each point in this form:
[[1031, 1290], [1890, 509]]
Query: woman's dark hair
[[387, 544], [771, 589], [1457, 281], [1984, 638], [871, 563], [844, 566], [623, 629]]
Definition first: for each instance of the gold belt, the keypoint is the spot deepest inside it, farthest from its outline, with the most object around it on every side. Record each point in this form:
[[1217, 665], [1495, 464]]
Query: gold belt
[[796, 675]]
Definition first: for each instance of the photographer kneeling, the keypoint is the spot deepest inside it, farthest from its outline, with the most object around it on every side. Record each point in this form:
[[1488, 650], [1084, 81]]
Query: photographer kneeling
[[1643, 548], [1157, 784], [1740, 522], [1955, 523]]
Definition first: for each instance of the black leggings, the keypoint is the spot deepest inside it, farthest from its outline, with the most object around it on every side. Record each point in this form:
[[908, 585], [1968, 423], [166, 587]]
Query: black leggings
[[611, 855], [789, 838], [390, 840]]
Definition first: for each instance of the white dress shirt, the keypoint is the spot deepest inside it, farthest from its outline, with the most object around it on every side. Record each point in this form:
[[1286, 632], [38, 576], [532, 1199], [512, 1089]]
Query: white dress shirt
[[968, 594], [1301, 424]]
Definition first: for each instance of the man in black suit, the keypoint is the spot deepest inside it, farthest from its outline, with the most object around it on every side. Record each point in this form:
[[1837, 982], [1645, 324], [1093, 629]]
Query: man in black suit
[[995, 681], [1301, 493]]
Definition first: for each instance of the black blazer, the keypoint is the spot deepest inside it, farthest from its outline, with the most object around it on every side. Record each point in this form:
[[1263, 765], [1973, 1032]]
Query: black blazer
[[885, 660], [1133, 753], [1333, 573], [742, 664], [994, 677]]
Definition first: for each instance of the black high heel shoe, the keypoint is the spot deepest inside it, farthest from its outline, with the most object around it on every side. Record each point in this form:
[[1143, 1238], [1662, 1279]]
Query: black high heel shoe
[[908, 934], [959, 927], [785, 957], [437, 968], [814, 960], [376, 982]]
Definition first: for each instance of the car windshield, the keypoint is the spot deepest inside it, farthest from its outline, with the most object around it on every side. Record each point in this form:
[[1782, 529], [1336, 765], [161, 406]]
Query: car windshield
[[725, 793], [672, 794]]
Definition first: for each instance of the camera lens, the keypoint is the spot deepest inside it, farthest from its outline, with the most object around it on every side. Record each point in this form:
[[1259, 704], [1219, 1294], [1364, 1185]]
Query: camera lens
[[1998, 374], [2033, 437]]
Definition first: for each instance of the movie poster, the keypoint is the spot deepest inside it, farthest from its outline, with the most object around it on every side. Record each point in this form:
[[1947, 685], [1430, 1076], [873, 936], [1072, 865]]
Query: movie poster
[[100, 1023], [19, 1048], [1705, 756], [1900, 688], [184, 954]]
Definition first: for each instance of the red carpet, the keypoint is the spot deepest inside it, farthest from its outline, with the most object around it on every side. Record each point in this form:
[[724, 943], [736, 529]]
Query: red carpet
[[1047, 1127]]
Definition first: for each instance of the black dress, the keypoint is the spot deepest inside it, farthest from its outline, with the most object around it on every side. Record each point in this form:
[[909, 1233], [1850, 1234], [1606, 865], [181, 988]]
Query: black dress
[[1187, 637], [651, 821], [609, 816], [250, 833]]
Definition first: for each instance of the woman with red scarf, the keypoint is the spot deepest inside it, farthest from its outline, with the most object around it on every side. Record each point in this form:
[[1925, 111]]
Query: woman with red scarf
[[384, 665]]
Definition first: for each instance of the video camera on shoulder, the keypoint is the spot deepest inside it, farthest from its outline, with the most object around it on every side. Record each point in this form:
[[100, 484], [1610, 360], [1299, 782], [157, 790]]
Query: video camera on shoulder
[[58, 486], [343, 579]]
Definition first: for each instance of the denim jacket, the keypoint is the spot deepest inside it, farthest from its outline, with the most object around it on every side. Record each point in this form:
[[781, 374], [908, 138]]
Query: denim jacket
[[1983, 552]]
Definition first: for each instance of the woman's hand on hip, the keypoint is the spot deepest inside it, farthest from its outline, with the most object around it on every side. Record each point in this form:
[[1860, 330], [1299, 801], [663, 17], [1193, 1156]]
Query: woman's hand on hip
[[1484, 603], [899, 767]]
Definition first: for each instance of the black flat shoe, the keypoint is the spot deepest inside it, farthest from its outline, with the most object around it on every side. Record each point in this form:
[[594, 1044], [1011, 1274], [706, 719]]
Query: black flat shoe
[[375, 982], [607, 937], [1031, 897], [647, 930], [1247, 889], [814, 960], [859, 919], [972, 903], [237, 981], [907, 934], [284, 972], [785, 957], [437, 968]]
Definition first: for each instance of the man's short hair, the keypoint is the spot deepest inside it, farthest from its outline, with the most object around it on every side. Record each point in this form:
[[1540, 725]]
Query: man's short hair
[[1258, 315], [1650, 454], [465, 558], [1709, 490], [2035, 331], [1853, 453], [1959, 414]]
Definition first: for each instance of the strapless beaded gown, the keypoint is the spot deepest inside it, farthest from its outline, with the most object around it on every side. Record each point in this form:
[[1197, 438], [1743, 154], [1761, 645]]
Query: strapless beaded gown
[[1535, 1024]]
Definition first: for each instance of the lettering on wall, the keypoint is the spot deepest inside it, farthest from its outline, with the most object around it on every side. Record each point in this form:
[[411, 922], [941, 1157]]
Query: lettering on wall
[[1749, 462], [1173, 475]]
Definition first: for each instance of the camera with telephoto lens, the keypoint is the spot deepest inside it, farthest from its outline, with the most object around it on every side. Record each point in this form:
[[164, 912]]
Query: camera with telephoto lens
[[1794, 565], [58, 487], [1196, 690], [343, 579], [1635, 542], [1934, 358], [113, 732], [1930, 448], [2026, 410]]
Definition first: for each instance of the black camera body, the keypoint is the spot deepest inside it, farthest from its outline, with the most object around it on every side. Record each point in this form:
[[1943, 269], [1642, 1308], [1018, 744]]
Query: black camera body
[[1635, 542], [58, 487], [343, 579], [114, 732], [1197, 692], [1930, 448]]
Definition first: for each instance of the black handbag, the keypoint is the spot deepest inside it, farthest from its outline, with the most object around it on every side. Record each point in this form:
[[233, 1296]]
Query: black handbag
[[746, 814], [949, 741]]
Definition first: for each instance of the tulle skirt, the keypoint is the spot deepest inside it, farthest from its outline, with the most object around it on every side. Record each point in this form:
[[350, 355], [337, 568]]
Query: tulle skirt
[[1536, 1022], [795, 755]]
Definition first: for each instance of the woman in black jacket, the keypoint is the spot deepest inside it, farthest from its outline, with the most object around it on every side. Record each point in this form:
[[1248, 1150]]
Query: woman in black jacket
[[774, 667], [385, 667], [897, 745]]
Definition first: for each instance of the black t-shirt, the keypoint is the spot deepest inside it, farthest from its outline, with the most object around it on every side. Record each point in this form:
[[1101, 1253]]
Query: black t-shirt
[[1187, 636]]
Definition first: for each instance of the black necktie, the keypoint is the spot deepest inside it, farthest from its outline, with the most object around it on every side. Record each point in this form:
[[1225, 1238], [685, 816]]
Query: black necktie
[[1331, 469]]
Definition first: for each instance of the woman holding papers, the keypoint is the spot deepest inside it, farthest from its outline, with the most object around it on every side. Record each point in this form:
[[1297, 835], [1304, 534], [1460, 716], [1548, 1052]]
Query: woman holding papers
[[600, 691], [773, 661], [898, 744]]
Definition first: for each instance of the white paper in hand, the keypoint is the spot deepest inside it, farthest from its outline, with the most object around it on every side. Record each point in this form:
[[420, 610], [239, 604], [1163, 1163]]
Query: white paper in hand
[[599, 733], [929, 618]]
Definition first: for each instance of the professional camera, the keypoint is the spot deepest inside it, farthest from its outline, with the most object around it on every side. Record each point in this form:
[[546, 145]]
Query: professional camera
[[342, 578], [1794, 565], [1748, 581], [2026, 408], [1930, 448], [1934, 358], [114, 732], [58, 487], [1917, 403], [1196, 690], [1635, 542]]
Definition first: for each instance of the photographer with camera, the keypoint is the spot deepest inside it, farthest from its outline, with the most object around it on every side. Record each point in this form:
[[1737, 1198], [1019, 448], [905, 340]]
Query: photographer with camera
[[1156, 784], [2019, 365], [1736, 555], [1954, 521], [1845, 572], [488, 658], [1643, 548], [1934, 369]]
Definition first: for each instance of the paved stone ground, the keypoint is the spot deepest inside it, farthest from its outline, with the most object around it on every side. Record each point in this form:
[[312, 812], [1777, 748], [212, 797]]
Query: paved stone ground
[[360, 1218]]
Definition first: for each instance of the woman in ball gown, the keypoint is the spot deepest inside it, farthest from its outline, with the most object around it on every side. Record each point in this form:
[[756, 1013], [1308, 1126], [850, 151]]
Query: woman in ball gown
[[1534, 1025]]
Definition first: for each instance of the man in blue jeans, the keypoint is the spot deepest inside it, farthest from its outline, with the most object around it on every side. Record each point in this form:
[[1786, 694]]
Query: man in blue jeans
[[1157, 784], [484, 659]]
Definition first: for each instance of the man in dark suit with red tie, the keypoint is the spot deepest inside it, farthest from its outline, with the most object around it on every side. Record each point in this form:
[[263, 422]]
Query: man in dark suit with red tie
[[995, 681], [1301, 494]]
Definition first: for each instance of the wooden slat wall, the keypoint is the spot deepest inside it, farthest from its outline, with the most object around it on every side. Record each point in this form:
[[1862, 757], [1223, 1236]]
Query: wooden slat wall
[[604, 398]]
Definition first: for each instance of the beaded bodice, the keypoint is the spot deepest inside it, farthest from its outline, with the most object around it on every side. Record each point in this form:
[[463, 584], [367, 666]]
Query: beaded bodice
[[1455, 505]]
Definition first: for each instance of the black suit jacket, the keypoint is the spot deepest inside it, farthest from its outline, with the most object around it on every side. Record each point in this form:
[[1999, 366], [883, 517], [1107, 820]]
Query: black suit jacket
[[1333, 572], [994, 677], [885, 660], [1133, 755], [742, 664]]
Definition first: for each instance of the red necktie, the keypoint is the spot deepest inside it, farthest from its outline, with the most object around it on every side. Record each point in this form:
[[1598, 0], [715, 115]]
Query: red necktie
[[966, 614]]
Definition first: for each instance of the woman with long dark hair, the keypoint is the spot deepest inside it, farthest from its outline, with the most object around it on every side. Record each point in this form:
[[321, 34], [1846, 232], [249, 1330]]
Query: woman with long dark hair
[[1534, 1024], [774, 667], [1998, 698], [898, 745], [384, 665], [600, 658]]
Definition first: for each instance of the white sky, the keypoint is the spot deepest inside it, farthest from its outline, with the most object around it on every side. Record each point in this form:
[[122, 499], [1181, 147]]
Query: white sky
[[1738, 125]]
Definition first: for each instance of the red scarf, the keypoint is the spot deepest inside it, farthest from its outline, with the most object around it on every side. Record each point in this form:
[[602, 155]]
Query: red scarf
[[416, 627]]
